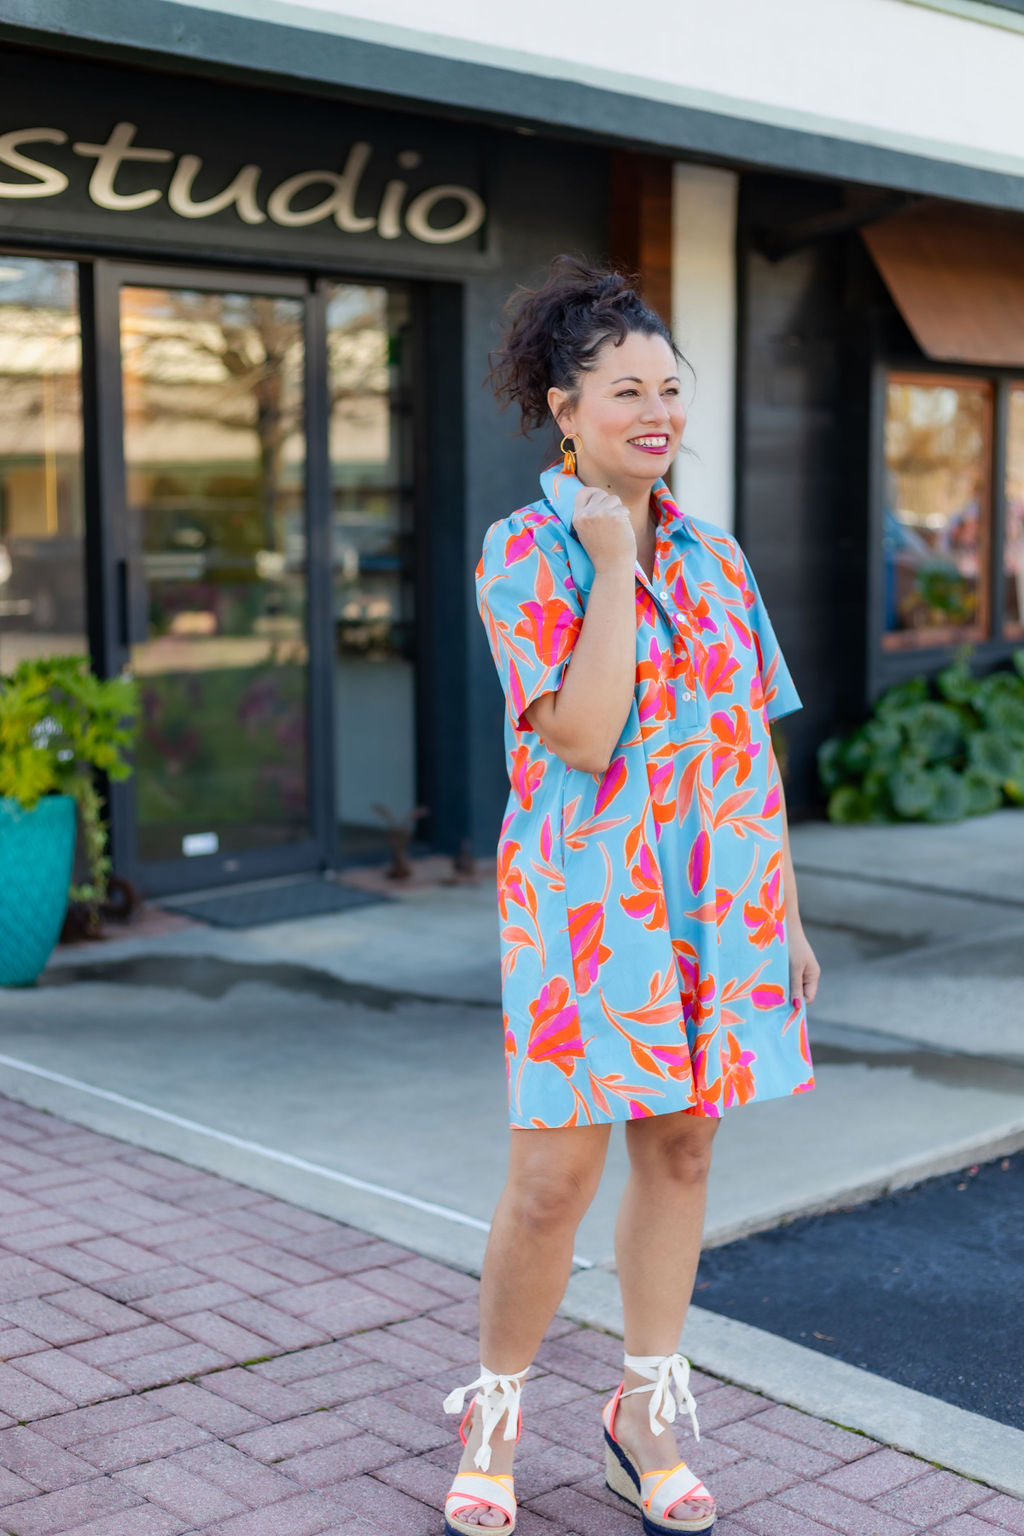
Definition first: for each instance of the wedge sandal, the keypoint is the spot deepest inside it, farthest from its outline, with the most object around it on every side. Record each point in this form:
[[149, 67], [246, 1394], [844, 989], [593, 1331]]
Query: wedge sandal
[[656, 1494], [499, 1397]]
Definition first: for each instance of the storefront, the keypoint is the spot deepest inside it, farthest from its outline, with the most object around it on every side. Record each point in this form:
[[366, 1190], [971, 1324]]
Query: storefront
[[881, 437], [244, 449]]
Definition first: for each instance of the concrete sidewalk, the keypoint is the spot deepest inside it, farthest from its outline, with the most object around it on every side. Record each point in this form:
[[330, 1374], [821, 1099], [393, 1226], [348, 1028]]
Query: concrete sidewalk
[[186, 1355], [918, 1038]]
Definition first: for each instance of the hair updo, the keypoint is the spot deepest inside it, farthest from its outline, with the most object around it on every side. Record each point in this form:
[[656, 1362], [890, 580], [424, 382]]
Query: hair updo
[[556, 331]]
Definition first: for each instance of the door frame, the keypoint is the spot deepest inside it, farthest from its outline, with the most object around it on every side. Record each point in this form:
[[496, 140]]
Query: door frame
[[117, 591]]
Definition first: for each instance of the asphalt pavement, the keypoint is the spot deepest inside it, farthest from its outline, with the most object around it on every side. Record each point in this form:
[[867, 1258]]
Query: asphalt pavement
[[922, 1287]]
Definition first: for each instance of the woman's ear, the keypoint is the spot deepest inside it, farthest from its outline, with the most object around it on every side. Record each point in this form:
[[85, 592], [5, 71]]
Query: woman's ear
[[558, 404]]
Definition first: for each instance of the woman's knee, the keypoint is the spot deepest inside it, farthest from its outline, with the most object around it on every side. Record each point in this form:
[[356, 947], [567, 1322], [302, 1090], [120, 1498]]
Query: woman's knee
[[678, 1152], [550, 1194]]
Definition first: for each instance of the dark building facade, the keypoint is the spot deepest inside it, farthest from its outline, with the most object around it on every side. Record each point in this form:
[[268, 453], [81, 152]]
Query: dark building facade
[[248, 289]]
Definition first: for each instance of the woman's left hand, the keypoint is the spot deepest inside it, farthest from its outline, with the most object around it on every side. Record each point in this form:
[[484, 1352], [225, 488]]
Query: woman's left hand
[[804, 969]]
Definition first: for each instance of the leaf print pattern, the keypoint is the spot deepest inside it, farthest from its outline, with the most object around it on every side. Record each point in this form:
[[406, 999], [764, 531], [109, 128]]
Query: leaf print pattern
[[642, 917]]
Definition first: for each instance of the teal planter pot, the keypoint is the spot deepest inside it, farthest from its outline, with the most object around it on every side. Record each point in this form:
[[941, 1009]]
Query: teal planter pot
[[36, 853]]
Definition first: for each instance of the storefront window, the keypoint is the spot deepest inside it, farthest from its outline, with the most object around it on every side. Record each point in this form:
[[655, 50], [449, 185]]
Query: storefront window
[[1013, 553], [42, 581], [369, 361], [936, 511], [214, 444]]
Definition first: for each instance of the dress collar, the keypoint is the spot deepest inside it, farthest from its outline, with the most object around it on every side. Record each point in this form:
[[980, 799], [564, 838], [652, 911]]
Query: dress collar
[[561, 491]]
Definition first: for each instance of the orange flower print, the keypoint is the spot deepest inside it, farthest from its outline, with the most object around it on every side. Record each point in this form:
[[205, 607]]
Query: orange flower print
[[510, 878], [718, 667], [555, 1031], [733, 746], [586, 928], [660, 777], [648, 900], [548, 624], [737, 1075], [698, 865], [525, 776], [519, 546], [551, 628], [612, 780], [768, 995], [655, 697], [697, 991], [765, 917], [510, 1050]]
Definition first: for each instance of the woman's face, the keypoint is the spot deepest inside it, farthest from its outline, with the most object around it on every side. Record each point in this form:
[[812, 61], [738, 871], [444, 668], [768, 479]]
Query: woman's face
[[628, 418]]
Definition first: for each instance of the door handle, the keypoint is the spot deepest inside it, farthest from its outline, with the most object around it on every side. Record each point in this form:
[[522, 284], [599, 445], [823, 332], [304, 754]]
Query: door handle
[[123, 598]]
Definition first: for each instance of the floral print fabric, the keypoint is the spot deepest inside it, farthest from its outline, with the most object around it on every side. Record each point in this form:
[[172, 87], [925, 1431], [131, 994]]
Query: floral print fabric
[[643, 926]]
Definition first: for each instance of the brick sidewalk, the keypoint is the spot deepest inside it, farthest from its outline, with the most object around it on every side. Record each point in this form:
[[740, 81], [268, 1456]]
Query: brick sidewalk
[[181, 1354]]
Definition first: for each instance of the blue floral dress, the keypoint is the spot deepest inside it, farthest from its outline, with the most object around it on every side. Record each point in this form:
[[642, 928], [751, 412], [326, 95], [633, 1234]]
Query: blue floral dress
[[643, 926]]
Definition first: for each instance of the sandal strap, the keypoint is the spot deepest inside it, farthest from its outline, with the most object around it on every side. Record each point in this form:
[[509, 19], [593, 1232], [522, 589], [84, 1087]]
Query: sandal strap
[[497, 1394], [671, 1488], [669, 1376], [472, 1489]]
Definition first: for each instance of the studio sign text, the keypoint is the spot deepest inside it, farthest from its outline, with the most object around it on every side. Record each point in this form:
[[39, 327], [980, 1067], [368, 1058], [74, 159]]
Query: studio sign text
[[307, 198]]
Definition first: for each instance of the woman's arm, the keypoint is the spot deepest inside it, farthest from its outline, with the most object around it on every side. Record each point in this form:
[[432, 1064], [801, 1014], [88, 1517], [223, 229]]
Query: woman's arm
[[804, 969], [582, 721]]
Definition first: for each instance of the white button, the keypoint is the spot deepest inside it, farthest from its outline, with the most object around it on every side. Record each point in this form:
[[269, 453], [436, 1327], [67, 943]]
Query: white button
[[664, 597], [687, 697], [679, 618]]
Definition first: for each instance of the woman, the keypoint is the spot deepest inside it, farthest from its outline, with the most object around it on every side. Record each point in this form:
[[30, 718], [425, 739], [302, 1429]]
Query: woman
[[654, 969]]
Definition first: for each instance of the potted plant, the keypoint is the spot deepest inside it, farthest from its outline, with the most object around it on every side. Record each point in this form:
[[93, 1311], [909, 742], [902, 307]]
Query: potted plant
[[59, 726]]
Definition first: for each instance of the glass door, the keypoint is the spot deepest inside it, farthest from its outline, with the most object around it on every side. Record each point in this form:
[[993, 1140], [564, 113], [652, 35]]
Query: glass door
[[42, 529], [369, 333], [214, 579]]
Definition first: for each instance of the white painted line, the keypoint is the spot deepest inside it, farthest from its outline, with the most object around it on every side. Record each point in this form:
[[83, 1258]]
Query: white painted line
[[894, 1415], [288, 1159]]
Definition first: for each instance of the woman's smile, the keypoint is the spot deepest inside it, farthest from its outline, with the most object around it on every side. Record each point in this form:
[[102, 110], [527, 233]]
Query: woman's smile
[[651, 442]]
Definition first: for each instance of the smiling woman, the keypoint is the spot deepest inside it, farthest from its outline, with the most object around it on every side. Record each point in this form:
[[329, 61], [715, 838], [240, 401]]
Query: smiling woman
[[654, 970]]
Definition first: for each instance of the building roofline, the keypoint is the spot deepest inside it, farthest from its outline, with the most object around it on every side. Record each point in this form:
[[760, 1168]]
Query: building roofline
[[193, 39]]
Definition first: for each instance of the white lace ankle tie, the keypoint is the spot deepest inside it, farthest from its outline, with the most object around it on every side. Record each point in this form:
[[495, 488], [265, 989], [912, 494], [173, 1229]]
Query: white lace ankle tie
[[670, 1389], [497, 1395]]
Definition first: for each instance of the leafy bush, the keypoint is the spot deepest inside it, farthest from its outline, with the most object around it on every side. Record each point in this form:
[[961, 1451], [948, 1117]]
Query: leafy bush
[[933, 750], [59, 725]]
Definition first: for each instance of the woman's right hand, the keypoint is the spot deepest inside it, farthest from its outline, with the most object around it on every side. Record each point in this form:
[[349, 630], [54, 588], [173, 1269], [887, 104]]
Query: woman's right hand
[[604, 528]]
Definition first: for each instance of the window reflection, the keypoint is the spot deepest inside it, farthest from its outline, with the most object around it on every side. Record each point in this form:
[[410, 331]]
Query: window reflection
[[937, 510], [42, 580], [369, 358], [1013, 552], [215, 460]]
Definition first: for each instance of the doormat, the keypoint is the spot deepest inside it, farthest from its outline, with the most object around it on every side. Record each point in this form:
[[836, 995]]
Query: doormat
[[248, 906]]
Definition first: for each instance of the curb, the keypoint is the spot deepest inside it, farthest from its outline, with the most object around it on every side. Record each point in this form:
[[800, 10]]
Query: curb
[[910, 1421]]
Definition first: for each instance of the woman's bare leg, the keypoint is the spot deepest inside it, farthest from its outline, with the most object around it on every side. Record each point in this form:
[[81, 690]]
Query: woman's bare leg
[[552, 1178], [657, 1247]]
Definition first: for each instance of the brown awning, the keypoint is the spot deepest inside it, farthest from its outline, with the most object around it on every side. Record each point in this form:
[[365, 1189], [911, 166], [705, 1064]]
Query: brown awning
[[957, 276]]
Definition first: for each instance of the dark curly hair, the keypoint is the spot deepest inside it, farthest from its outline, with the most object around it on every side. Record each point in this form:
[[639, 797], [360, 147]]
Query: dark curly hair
[[555, 332]]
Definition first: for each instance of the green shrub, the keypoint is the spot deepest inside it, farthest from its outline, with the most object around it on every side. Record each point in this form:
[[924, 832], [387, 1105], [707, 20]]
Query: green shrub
[[60, 725], [934, 750]]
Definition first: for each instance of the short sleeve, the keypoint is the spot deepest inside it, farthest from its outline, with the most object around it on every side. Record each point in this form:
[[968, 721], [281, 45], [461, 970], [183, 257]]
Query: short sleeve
[[780, 695], [530, 609]]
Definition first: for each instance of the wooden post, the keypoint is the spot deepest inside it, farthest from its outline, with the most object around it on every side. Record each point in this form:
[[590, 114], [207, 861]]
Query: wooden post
[[640, 237]]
